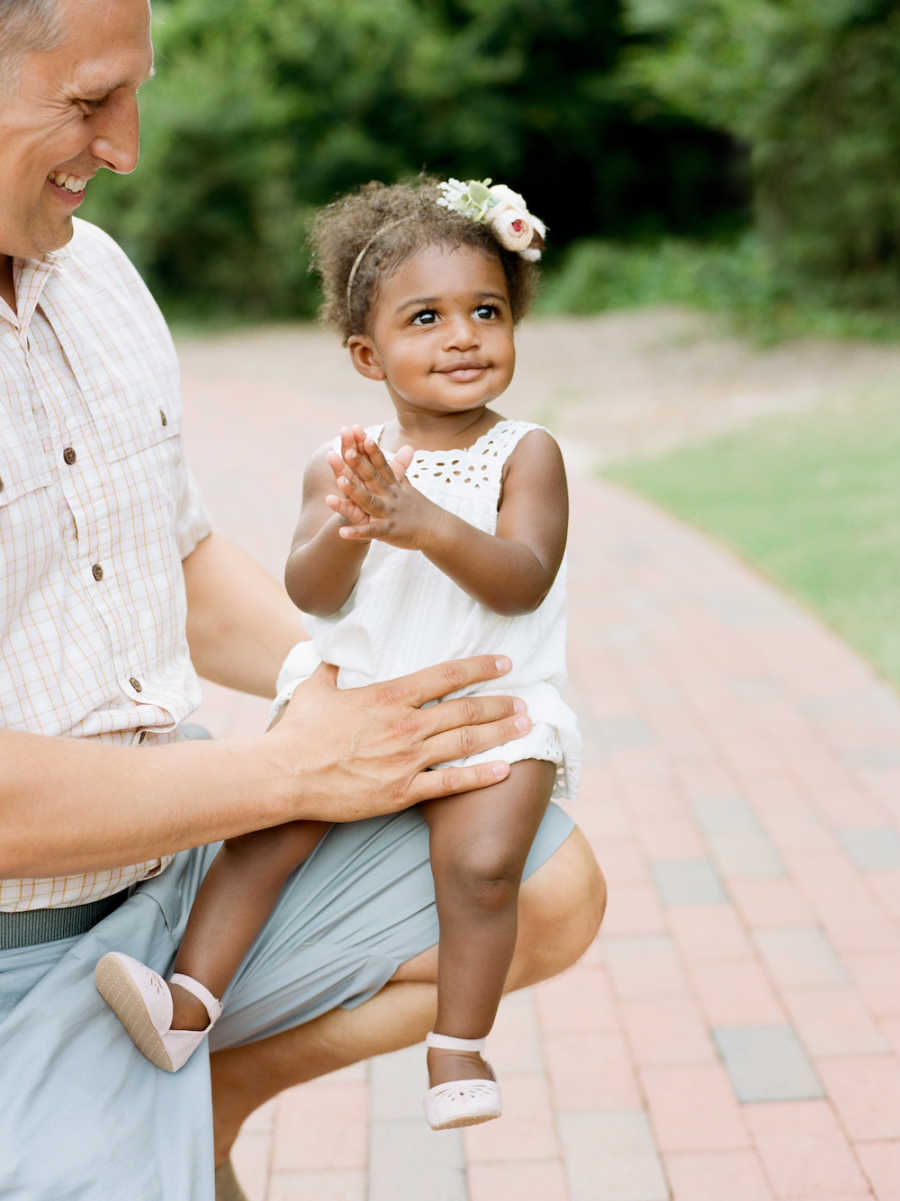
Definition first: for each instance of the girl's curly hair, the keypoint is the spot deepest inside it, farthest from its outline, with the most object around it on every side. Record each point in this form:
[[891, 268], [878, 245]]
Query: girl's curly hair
[[393, 222]]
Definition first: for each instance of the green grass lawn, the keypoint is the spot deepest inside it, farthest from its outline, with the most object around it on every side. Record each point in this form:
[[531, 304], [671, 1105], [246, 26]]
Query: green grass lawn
[[813, 502]]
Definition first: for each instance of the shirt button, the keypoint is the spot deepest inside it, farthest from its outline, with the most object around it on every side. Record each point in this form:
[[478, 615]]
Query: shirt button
[[69, 455], [2, 485], [136, 684], [97, 571], [163, 418]]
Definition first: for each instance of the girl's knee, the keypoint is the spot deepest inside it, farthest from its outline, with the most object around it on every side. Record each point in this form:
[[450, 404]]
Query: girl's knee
[[485, 876]]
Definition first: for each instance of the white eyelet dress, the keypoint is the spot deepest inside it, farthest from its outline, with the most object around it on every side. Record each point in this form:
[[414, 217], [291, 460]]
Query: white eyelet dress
[[405, 614]]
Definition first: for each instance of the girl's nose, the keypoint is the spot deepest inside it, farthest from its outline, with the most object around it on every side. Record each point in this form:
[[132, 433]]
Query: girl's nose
[[461, 333]]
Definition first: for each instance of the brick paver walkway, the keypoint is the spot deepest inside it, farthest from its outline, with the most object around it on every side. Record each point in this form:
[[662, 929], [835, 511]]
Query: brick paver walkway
[[734, 1033]]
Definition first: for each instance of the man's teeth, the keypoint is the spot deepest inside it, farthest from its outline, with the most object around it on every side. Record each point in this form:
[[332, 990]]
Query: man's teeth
[[72, 183]]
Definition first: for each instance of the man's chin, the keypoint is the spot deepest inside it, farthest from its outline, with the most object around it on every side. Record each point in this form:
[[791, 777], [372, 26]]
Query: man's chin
[[54, 237]]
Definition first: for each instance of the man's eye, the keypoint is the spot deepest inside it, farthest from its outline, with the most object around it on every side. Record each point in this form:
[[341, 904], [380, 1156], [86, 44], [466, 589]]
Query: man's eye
[[486, 311], [88, 107], [425, 317]]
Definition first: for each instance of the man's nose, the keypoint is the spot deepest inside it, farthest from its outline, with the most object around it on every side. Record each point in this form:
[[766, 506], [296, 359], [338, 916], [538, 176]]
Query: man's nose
[[117, 143]]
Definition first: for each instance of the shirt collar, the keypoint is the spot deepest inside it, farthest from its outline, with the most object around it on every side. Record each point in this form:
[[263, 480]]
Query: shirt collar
[[29, 279]]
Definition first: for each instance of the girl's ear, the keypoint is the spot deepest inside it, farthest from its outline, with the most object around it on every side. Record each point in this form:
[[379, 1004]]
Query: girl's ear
[[364, 356]]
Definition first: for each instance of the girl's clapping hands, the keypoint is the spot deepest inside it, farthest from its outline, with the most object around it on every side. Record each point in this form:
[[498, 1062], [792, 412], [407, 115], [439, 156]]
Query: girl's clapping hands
[[376, 500]]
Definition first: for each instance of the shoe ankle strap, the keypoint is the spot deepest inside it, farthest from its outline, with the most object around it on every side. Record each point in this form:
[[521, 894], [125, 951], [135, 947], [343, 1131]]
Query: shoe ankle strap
[[211, 1004], [443, 1042]]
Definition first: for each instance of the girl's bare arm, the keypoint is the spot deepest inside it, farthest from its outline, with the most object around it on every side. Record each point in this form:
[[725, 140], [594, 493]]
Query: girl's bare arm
[[322, 568], [510, 571]]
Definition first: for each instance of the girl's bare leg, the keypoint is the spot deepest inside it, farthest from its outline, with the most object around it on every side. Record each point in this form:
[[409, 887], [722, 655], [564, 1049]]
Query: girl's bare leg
[[479, 843], [236, 897], [560, 909]]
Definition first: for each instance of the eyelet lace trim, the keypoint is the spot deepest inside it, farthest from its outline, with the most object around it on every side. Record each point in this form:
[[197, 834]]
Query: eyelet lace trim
[[478, 466]]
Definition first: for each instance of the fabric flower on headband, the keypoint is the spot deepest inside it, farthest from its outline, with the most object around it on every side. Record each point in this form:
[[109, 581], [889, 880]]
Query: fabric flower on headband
[[501, 209]]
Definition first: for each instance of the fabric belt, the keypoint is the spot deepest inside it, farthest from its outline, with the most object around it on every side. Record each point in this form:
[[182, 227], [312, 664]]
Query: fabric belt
[[33, 926]]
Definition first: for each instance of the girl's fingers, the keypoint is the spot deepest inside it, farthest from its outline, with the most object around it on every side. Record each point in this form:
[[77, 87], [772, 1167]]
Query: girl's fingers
[[346, 509], [401, 461], [360, 495], [371, 465], [380, 464], [365, 528], [336, 463]]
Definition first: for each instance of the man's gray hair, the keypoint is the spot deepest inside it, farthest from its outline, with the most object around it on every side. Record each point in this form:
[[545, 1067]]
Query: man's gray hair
[[26, 27]]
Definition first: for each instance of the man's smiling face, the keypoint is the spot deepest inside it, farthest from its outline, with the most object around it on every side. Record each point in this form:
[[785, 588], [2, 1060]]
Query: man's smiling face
[[65, 114]]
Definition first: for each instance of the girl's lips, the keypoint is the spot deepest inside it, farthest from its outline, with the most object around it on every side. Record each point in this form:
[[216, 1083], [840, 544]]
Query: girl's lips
[[464, 371]]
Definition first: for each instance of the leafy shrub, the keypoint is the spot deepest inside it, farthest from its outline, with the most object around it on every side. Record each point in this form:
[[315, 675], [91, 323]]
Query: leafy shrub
[[812, 87], [265, 109]]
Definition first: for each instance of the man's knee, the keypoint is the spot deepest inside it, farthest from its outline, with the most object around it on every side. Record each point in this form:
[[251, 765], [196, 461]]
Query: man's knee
[[561, 907]]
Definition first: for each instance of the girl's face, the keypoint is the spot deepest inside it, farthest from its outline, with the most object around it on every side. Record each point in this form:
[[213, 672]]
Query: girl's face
[[441, 332]]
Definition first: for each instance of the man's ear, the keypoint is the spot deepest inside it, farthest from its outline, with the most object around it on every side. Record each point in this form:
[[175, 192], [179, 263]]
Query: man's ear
[[364, 356]]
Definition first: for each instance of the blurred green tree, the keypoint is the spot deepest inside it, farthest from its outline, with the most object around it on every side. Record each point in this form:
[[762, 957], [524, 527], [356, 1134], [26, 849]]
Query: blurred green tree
[[812, 88], [266, 109]]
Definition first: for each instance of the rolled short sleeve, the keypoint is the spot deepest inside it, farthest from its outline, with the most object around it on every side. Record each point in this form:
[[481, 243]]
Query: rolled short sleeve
[[192, 522]]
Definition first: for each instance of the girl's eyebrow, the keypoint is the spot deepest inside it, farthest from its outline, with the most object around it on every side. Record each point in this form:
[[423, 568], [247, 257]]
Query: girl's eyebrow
[[419, 300], [429, 301]]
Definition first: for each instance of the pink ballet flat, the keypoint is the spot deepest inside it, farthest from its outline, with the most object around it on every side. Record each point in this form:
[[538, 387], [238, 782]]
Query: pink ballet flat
[[461, 1102], [141, 1001]]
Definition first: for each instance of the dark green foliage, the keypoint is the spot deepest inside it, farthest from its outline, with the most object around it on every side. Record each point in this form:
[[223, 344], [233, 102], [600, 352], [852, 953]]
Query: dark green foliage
[[739, 279], [265, 109], [812, 88]]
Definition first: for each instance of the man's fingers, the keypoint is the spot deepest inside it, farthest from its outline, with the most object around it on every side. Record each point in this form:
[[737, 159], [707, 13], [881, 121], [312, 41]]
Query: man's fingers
[[325, 673], [470, 740], [469, 711], [446, 781], [431, 683]]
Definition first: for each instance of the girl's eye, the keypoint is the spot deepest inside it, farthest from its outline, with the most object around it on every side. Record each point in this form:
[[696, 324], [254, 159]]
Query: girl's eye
[[486, 311], [425, 317]]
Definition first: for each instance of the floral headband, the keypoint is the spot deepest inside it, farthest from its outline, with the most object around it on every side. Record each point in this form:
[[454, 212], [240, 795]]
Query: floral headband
[[497, 206], [501, 209]]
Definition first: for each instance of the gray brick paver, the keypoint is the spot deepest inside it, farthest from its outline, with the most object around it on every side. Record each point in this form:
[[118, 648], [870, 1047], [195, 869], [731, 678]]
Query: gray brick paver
[[687, 882], [767, 1063]]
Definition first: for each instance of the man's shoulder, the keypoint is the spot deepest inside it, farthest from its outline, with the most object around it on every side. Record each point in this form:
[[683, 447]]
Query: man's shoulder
[[91, 243], [98, 264]]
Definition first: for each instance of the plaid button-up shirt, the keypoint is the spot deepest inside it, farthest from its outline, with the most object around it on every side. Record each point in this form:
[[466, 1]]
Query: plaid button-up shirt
[[97, 511]]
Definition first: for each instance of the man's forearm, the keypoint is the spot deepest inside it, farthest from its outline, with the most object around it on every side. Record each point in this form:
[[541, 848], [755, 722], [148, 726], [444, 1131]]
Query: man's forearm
[[70, 805], [240, 623]]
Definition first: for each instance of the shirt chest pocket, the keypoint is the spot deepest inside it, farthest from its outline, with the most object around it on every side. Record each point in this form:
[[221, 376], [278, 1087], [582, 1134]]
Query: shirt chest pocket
[[135, 425], [137, 416]]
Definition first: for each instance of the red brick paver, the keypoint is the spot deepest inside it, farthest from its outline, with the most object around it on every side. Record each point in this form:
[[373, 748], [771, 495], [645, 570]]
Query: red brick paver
[[723, 725]]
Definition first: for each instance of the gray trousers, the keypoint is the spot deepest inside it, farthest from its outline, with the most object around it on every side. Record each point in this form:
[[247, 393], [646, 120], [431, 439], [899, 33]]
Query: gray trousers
[[84, 1117]]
